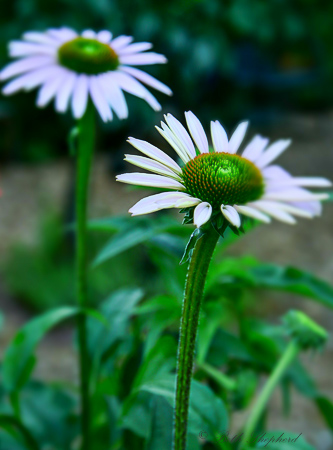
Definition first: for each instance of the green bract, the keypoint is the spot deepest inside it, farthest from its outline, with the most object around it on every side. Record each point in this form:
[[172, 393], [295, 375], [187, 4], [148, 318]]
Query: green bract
[[304, 330], [222, 179], [87, 56]]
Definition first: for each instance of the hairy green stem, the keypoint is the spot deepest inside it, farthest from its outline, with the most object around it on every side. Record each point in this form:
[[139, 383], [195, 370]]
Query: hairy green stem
[[86, 138], [288, 356], [195, 283]]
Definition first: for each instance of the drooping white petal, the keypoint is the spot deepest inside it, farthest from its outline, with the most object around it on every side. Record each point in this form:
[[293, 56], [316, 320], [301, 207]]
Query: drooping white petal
[[301, 181], [314, 208], [29, 80], [50, 88], [151, 165], [197, 132], [142, 59], [273, 209], [147, 79], [135, 48], [157, 202], [99, 99], [170, 138], [187, 202], [65, 91], [294, 195], [154, 153], [21, 48], [131, 85], [181, 135], [301, 212], [272, 152], [252, 212], [146, 179], [104, 36], [114, 96], [62, 34], [231, 214], [219, 137], [171, 200], [275, 173], [80, 96], [255, 148], [237, 137], [202, 214], [24, 65], [120, 42]]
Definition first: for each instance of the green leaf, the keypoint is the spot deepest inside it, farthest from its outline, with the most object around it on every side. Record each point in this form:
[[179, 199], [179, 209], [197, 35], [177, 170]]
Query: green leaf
[[325, 406], [7, 422], [288, 441], [206, 411], [161, 427], [19, 360], [293, 280]]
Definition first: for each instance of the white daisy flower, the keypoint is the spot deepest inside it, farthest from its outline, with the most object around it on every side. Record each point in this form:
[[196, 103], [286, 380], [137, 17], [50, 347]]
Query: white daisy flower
[[219, 181], [71, 67]]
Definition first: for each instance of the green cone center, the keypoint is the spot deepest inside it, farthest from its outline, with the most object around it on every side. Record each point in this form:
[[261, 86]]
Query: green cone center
[[222, 178], [87, 56]]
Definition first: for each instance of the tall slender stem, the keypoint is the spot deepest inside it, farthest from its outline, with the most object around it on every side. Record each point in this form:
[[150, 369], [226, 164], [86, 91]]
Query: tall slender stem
[[86, 139], [195, 283], [288, 356]]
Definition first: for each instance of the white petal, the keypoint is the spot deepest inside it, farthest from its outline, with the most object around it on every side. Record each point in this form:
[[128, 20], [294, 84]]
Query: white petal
[[151, 165], [89, 34], [145, 179], [147, 79], [301, 181], [171, 139], [231, 214], [20, 48], [135, 48], [120, 42], [272, 152], [40, 38], [50, 88], [275, 173], [64, 92], [131, 85], [187, 202], [104, 36], [273, 209], [156, 202], [202, 214], [237, 137], [301, 212], [294, 195], [80, 96], [170, 200], [255, 148], [98, 98], [219, 137], [142, 59], [314, 208], [24, 65], [181, 134], [114, 96], [62, 34], [29, 80], [154, 153], [250, 211], [197, 132]]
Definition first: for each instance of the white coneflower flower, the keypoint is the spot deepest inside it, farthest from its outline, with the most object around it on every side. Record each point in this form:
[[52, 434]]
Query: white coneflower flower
[[72, 67], [218, 181]]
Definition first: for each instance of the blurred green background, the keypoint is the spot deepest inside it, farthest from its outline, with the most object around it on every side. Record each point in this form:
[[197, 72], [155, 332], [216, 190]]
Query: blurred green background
[[230, 59]]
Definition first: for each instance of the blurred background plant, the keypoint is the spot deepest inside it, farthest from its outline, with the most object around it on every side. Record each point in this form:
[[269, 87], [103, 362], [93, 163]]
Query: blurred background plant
[[270, 62]]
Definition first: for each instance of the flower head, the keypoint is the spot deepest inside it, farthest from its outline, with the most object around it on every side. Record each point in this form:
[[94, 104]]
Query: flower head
[[71, 67], [217, 183], [306, 332]]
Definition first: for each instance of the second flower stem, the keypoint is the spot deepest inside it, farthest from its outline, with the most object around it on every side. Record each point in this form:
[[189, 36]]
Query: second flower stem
[[195, 283], [287, 358], [86, 141]]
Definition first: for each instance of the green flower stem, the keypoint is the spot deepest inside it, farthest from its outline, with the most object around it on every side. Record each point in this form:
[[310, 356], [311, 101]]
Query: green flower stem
[[287, 358], [195, 282], [86, 139]]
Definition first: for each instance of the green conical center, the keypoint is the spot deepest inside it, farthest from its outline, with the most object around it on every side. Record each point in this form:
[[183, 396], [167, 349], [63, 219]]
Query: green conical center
[[87, 56], [221, 178]]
